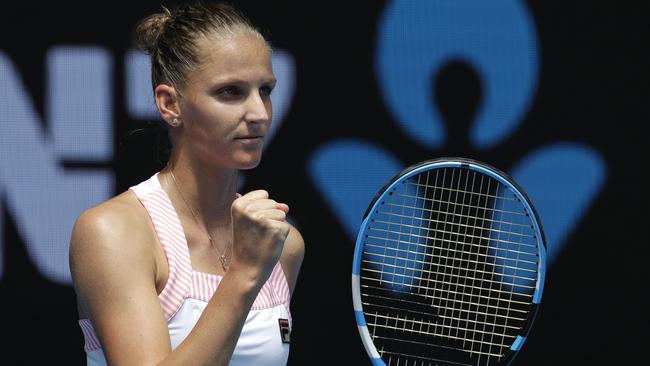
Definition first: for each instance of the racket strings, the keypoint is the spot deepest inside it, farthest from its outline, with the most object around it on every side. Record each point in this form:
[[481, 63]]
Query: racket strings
[[493, 320], [471, 226], [401, 279], [482, 341], [465, 205], [425, 311], [525, 278], [462, 191], [532, 259], [403, 328], [451, 214], [450, 260]]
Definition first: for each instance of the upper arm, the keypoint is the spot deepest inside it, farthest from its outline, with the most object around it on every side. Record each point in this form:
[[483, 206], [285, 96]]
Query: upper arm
[[292, 255], [113, 272]]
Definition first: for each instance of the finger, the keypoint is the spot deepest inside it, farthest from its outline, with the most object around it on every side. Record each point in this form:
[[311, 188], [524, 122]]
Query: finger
[[255, 195], [261, 204], [264, 204], [283, 207], [274, 214]]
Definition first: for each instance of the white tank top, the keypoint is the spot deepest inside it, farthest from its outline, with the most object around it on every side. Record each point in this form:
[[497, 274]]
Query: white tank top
[[187, 293]]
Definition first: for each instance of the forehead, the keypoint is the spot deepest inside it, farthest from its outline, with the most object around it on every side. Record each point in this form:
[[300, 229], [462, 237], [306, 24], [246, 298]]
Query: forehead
[[238, 55]]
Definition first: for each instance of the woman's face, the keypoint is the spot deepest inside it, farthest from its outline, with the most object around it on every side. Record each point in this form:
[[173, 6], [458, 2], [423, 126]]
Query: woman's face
[[226, 105]]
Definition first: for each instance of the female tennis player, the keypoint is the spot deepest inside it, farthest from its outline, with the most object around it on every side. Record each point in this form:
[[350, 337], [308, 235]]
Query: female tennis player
[[181, 269]]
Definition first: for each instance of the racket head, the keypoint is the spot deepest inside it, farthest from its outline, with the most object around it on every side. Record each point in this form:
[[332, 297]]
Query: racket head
[[418, 245]]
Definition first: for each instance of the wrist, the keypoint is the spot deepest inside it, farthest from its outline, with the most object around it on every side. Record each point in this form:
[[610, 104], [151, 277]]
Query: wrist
[[247, 280]]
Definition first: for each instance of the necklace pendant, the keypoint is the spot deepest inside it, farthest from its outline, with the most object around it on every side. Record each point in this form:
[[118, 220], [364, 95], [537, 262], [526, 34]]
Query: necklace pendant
[[224, 263]]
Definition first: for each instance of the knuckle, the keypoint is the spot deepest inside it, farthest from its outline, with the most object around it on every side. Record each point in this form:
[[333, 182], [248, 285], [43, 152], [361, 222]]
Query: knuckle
[[258, 217], [249, 209], [263, 193], [281, 228], [237, 204]]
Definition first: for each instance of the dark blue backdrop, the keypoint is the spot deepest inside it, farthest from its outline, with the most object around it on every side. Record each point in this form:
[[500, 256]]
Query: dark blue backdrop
[[555, 94]]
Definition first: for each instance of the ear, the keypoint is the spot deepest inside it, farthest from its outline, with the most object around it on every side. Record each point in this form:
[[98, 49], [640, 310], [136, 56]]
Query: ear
[[167, 102]]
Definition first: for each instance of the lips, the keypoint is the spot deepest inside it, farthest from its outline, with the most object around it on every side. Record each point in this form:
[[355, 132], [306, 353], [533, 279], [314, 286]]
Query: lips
[[251, 141]]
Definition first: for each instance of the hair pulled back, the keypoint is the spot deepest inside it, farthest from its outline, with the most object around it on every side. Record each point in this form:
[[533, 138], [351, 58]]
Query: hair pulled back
[[169, 37]]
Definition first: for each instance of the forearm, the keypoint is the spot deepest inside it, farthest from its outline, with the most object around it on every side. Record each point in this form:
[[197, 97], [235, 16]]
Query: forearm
[[215, 335]]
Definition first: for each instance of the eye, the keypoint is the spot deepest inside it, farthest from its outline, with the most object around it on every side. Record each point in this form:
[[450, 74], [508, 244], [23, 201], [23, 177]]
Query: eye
[[230, 91], [266, 91]]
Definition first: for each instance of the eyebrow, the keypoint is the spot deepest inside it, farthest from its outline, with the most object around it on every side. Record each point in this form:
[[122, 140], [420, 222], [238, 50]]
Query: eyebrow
[[234, 80]]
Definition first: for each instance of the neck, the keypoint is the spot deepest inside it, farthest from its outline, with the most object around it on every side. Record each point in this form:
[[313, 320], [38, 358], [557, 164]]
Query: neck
[[209, 191]]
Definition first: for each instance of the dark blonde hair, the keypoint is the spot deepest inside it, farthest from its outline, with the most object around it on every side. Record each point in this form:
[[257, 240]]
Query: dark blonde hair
[[169, 37]]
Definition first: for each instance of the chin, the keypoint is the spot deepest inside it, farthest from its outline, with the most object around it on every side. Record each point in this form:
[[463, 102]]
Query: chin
[[248, 164], [247, 167]]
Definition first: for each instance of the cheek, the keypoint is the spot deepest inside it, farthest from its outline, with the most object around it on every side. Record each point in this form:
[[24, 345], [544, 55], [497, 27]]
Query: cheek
[[211, 121], [215, 123]]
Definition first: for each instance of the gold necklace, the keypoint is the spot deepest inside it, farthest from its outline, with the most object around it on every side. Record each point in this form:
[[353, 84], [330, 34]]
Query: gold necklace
[[222, 256]]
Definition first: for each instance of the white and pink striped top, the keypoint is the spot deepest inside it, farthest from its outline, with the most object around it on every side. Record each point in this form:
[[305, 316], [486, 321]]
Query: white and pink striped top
[[187, 293]]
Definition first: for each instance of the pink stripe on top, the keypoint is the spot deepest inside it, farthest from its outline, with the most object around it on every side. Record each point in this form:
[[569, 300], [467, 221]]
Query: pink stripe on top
[[274, 292], [183, 282], [171, 237], [92, 343]]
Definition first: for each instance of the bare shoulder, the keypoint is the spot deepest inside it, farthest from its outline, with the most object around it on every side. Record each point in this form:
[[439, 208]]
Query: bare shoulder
[[109, 241], [113, 267], [107, 222], [114, 211], [292, 256]]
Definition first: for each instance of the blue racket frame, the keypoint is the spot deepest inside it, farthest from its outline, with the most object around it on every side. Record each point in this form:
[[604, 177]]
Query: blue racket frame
[[414, 170]]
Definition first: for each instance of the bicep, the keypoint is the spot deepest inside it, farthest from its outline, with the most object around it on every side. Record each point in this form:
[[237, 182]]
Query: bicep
[[292, 256], [114, 278]]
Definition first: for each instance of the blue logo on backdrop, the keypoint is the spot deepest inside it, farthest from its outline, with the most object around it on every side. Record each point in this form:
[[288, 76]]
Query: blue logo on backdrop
[[415, 40]]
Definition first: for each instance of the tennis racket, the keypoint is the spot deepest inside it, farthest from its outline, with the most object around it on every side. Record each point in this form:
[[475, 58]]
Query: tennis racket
[[448, 268]]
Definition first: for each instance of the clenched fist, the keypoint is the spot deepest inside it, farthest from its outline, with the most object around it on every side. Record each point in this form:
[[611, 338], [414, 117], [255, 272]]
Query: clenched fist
[[259, 231]]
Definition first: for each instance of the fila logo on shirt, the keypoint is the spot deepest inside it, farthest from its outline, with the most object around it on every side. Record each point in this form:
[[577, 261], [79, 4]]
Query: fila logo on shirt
[[285, 331]]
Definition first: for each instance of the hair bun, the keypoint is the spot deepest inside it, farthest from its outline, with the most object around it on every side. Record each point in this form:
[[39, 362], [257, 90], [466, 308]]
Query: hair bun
[[149, 30]]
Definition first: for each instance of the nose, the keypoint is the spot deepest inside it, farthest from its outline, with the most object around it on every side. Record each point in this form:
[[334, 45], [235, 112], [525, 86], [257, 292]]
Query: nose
[[258, 109]]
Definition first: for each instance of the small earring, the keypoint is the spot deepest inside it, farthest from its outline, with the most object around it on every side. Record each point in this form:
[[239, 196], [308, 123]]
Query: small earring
[[176, 122]]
